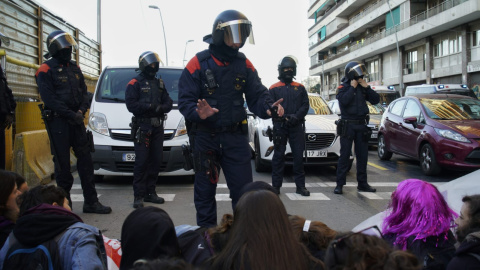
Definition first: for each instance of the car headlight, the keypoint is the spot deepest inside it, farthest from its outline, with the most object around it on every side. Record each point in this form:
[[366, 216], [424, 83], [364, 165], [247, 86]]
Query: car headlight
[[181, 128], [98, 123], [452, 135]]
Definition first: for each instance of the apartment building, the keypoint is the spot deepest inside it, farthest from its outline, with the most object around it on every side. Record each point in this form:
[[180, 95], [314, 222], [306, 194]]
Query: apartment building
[[402, 42]]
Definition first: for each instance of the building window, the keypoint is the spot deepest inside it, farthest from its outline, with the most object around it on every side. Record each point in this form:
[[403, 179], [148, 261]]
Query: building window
[[412, 66], [476, 38], [448, 45], [373, 71]]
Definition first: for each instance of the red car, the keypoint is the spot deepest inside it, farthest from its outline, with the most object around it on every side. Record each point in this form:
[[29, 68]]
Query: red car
[[441, 131]]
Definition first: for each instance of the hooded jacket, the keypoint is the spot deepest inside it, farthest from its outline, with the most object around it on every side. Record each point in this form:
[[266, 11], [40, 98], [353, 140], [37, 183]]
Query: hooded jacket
[[463, 258], [80, 247]]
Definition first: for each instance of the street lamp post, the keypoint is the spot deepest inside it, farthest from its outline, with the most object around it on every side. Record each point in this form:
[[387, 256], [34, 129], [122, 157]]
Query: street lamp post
[[164, 37], [400, 77], [185, 51]]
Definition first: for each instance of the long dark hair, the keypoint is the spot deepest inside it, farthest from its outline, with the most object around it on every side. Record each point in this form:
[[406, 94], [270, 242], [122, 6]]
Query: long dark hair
[[261, 237], [7, 185]]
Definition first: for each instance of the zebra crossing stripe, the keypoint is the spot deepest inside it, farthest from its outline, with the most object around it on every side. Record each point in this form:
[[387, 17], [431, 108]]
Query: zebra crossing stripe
[[312, 197]]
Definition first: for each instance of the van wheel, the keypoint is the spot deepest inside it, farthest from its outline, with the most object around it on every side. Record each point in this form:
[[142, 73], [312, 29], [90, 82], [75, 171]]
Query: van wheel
[[428, 161], [382, 151], [259, 163]]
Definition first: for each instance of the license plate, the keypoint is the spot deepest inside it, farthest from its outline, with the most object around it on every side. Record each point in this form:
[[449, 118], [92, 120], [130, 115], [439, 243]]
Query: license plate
[[128, 157], [317, 153], [374, 136]]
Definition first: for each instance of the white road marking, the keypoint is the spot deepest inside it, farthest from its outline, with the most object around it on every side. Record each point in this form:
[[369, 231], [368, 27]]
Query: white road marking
[[222, 197], [370, 195], [77, 197], [167, 197], [312, 197]]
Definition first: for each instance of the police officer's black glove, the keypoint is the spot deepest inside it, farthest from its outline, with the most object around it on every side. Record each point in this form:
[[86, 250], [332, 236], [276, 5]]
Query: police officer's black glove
[[8, 121], [78, 119], [274, 111], [292, 120], [159, 109]]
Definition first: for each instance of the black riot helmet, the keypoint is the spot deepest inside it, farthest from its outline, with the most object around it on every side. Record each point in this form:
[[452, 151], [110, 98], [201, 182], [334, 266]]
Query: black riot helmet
[[288, 61], [58, 40], [4, 39], [147, 58], [355, 70], [230, 27]]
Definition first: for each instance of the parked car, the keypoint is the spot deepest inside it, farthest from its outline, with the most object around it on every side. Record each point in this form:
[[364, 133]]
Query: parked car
[[457, 89], [375, 114], [109, 121], [439, 130], [322, 142]]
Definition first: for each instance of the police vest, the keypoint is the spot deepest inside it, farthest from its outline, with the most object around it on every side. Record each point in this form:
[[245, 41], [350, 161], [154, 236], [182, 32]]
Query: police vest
[[67, 83], [150, 92], [227, 95]]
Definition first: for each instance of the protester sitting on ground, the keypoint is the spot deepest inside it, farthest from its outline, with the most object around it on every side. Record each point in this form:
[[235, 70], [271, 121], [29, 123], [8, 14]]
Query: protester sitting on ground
[[467, 255], [367, 252], [217, 237], [148, 233], [314, 235], [261, 237], [8, 204], [419, 219], [45, 214]]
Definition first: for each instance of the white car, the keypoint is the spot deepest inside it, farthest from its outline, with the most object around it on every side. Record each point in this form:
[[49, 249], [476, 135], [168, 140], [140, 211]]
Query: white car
[[322, 142], [109, 121]]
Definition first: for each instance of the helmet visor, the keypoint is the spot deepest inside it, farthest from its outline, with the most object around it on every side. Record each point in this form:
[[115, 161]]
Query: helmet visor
[[358, 71], [62, 41], [149, 58], [237, 32], [4, 40]]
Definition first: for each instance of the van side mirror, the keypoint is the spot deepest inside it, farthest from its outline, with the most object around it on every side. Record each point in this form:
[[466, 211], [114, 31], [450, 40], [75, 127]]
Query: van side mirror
[[411, 120]]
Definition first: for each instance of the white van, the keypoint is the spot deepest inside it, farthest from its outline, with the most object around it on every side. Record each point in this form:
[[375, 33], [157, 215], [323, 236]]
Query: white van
[[387, 93], [109, 122], [458, 89]]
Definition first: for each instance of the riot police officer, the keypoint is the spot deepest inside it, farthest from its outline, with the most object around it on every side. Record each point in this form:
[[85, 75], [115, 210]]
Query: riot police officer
[[147, 98], [291, 126], [7, 106], [352, 127], [211, 98], [63, 90]]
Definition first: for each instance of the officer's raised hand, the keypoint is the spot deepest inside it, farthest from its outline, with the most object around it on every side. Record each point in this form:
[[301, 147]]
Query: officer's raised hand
[[354, 83], [280, 110], [362, 82], [204, 109]]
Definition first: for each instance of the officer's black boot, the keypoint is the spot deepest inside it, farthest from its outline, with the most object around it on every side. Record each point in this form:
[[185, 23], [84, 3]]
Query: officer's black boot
[[96, 208], [276, 190], [338, 189], [366, 188], [153, 198], [303, 191], [138, 202]]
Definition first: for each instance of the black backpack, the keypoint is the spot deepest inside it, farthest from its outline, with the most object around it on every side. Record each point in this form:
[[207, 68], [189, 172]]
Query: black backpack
[[44, 256], [434, 255]]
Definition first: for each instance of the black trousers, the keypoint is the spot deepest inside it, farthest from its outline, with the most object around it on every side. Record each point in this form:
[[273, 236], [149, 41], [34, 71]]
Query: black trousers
[[355, 133], [64, 136]]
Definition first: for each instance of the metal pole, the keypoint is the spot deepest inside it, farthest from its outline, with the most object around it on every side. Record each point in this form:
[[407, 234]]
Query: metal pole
[[323, 80], [164, 36], [400, 80], [185, 51], [99, 21]]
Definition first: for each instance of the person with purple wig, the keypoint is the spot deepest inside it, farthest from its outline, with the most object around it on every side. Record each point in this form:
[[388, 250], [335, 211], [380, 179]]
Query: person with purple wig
[[419, 220]]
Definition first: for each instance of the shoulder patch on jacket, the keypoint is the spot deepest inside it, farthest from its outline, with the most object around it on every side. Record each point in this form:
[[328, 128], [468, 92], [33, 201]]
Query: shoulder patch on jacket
[[193, 65], [278, 84], [132, 82], [43, 68], [340, 86], [249, 64]]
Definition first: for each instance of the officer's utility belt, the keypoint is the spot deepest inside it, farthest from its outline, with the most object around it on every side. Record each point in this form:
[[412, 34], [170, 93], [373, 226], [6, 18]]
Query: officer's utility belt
[[154, 121], [233, 128], [355, 122], [278, 120]]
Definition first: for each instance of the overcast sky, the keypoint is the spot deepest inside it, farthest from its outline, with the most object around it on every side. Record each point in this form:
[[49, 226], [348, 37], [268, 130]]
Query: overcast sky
[[130, 27]]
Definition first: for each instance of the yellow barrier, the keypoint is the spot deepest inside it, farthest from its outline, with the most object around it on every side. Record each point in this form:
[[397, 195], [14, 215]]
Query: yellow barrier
[[32, 157]]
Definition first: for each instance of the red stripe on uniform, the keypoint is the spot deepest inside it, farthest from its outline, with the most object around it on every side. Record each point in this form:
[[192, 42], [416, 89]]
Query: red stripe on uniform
[[193, 65], [296, 84], [220, 63], [43, 68], [250, 65], [132, 82], [278, 84]]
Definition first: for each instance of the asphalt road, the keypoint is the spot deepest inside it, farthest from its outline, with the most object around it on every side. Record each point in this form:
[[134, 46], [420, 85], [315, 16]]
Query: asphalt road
[[340, 212]]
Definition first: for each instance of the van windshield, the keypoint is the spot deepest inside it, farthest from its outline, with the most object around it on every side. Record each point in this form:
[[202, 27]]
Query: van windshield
[[452, 108], [114, 83]]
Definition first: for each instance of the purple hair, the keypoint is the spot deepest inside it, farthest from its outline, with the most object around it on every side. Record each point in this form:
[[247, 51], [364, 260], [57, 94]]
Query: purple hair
[[417, 208]]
